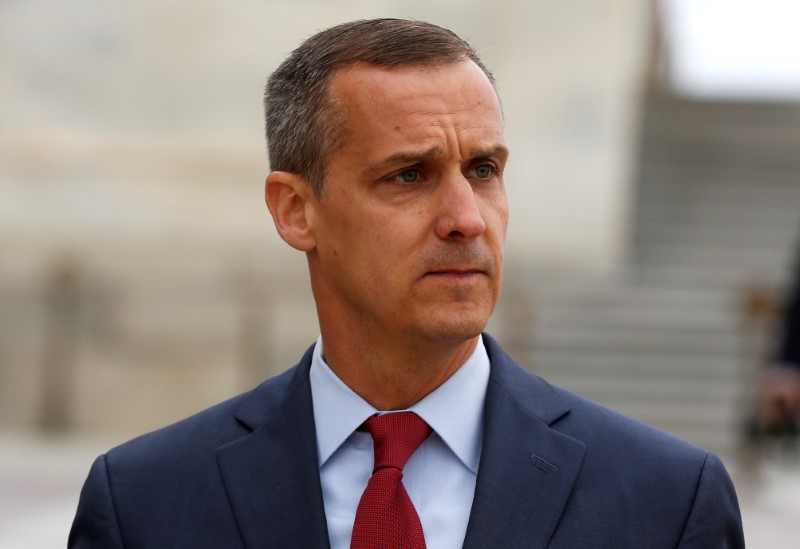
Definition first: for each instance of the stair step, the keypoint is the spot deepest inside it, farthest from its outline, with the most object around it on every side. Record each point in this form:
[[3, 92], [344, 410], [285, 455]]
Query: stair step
[[709, 276], [772, 235], [728, 255], [722, 394], [646, 364], [681, 343], [717, 211]]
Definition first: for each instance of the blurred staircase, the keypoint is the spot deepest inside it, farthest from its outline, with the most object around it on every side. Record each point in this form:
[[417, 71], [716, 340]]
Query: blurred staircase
[[717, 211]]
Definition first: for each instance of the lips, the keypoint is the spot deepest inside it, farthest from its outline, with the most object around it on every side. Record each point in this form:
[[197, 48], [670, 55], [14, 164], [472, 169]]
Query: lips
[[458, 262], [456, 273], [456, 270]]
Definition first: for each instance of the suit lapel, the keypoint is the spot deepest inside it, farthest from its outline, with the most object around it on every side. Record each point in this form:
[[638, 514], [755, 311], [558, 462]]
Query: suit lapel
[[526, 475], [272, 474], [527, 468]]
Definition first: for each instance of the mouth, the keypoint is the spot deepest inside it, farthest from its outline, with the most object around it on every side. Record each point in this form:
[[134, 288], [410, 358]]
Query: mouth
[[456, 273]]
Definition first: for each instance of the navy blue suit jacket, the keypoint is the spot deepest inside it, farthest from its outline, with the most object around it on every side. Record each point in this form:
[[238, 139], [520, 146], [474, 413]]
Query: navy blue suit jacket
[[556, 471]]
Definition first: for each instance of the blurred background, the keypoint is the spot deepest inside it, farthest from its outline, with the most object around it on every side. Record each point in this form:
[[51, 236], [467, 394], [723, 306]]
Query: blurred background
[[654, 186]]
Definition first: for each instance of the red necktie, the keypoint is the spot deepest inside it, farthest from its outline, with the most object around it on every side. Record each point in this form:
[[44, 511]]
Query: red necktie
[[386, 518]]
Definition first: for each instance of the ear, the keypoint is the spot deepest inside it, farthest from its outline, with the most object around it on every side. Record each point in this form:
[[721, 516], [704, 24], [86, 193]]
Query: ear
[[288, 196]]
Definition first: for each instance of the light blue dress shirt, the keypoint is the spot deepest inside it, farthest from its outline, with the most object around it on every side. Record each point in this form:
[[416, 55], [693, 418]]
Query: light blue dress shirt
[[439, 477]]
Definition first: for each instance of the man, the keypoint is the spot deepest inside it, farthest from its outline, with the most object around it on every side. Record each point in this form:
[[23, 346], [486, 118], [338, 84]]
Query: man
[[387, 155], [779, 396]]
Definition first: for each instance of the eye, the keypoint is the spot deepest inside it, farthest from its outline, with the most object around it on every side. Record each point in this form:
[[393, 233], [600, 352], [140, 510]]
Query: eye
[[483, 171], [410, 175]]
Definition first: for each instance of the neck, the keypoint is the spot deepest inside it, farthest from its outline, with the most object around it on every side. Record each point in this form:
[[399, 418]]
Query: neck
[[392, 376]]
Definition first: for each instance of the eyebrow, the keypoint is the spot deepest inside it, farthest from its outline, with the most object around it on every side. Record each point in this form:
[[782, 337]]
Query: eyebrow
[[411, 157], [498, 151]]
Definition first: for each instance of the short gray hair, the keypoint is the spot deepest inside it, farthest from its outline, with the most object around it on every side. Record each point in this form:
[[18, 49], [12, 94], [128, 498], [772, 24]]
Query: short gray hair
[[303, 125]]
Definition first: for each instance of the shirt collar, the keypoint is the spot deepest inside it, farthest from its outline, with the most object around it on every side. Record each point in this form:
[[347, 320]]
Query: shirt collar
[[454, 410]]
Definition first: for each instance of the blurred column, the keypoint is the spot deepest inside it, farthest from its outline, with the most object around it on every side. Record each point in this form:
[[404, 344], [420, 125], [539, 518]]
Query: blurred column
[[255, 325], [571, 76], [62, 307]]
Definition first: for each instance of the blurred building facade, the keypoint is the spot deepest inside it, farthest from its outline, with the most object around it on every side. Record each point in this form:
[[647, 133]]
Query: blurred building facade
[[141, 279]]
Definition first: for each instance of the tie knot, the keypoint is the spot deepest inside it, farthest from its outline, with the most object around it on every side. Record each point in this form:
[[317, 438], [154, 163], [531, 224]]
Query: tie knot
[[396, 437]]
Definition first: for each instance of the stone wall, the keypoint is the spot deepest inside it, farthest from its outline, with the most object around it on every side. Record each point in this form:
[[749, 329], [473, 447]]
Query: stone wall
[[138, 261]]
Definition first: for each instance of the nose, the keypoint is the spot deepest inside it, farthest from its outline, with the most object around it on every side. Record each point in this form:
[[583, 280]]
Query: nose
[[460, 216]]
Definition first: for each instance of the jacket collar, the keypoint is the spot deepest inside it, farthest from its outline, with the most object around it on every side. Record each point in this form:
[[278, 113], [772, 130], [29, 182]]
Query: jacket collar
[[527, 468], [272, 475]]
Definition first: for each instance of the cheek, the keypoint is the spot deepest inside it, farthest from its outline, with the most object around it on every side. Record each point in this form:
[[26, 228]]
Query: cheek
[[501, 213], [381, 243], [504, 227], [496, 218]]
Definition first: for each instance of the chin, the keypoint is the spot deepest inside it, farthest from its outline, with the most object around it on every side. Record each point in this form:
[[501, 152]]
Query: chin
[[454, 328]]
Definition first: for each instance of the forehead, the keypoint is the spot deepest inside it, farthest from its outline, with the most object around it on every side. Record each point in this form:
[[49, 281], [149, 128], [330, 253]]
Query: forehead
[[382, 106]]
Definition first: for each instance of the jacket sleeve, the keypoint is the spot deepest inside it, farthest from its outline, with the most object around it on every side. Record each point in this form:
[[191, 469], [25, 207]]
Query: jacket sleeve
[[714, 519], [95, 523]]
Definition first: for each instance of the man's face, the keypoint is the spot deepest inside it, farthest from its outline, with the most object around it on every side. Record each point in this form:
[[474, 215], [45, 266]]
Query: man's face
[[409, 232]]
